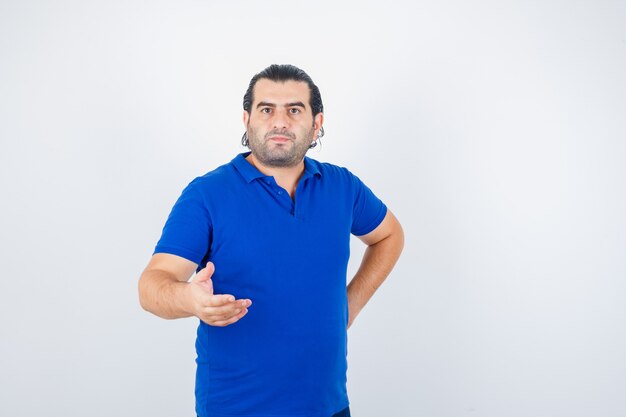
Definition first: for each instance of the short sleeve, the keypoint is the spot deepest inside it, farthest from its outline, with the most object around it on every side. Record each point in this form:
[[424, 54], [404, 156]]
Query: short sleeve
[[187, 231], [368, 211]]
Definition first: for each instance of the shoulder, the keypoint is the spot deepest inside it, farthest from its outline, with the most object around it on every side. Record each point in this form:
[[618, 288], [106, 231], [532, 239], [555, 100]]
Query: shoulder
[[338, 177], [218, 178], [209, 189], [331, 171]]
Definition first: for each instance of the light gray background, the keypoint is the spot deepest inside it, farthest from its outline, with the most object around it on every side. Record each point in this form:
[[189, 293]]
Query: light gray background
[[495, 130]]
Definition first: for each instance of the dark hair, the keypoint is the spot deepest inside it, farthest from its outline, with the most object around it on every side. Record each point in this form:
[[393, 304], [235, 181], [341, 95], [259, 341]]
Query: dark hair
[[281, 73]]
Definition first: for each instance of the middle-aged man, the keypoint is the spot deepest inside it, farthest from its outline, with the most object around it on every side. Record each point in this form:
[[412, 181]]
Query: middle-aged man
[[268, 235]]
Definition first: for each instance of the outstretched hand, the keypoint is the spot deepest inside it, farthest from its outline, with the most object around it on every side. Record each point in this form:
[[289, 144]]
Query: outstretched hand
[[214, 309]]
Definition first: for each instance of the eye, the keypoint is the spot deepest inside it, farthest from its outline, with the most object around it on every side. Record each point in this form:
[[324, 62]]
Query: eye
[[294, 110], [266, 110]]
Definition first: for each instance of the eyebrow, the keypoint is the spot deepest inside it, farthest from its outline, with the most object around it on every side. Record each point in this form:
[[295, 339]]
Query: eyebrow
[[294, 104]]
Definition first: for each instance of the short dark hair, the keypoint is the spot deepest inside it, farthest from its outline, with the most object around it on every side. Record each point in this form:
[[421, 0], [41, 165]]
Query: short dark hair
[[282, 73]]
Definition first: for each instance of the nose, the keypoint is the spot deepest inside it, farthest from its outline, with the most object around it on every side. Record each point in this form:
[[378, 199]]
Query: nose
[[280, 119]]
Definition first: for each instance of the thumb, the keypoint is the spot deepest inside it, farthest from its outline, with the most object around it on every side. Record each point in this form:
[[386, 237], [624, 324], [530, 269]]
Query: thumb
[[203, 278]]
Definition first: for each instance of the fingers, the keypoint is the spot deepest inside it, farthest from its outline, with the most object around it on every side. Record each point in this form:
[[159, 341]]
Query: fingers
[[215, 309], [205, 273], [203, 277], [226, 312], [233, 319], [219, 300], [223, 314]]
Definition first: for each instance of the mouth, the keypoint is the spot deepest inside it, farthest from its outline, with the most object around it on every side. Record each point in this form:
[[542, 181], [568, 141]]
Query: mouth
[[279, 139]]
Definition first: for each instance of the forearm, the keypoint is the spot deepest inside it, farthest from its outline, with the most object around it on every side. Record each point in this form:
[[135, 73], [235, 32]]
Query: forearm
[[378, 261], [163, 295]]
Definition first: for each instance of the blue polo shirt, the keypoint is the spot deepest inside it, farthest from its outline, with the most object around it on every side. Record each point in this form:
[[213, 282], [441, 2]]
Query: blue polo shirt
[[288, 356]]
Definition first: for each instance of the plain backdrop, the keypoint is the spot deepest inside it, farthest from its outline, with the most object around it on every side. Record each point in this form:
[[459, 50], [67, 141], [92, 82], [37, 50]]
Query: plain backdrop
[[495, 130]]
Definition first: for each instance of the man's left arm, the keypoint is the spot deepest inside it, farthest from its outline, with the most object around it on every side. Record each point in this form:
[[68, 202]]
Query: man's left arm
[[384, 245]]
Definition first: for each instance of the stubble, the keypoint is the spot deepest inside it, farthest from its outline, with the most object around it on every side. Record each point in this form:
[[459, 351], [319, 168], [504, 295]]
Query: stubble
[[279, 155]]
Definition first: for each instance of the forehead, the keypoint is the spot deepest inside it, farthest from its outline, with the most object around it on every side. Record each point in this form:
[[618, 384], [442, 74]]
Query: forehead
[[281, 92]]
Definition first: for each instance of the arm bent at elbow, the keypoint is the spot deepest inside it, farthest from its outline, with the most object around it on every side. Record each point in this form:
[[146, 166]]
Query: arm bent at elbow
[[163, 287], [165, 292], [384, 246]]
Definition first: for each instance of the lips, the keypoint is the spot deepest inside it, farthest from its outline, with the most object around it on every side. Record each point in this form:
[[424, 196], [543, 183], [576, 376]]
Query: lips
[[281, 139]]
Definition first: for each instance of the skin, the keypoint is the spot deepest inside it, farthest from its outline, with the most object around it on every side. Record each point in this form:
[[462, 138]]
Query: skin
[[280, 127], [280, 132]]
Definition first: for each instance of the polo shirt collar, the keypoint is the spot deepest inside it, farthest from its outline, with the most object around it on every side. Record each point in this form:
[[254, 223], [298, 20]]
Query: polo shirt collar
[[310, 168], [250, 173], [246, 169]]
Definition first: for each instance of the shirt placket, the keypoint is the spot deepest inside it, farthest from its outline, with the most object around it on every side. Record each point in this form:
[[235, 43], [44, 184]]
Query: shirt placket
[[279, 194]]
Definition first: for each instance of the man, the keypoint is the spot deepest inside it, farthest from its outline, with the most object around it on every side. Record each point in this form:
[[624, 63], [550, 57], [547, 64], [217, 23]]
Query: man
[[268, 235]]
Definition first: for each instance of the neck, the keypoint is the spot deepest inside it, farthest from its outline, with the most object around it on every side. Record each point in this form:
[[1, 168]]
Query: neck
[[286, 177]]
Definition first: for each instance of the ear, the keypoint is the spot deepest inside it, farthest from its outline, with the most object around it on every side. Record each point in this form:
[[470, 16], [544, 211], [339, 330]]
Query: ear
[[246, 118], [318, 121]]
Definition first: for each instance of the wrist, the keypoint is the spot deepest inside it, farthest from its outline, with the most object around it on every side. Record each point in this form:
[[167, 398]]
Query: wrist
[[185, 298]]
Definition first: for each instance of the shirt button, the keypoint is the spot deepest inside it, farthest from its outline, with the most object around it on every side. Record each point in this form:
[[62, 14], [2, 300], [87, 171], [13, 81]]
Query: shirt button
[[280, 191]]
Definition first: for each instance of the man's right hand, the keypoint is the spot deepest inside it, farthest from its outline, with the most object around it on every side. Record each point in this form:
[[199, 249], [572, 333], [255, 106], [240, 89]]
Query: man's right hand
[[214, 309]]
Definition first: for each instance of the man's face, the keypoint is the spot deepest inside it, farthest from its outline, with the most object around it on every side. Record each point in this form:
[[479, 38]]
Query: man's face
[[280, 125]]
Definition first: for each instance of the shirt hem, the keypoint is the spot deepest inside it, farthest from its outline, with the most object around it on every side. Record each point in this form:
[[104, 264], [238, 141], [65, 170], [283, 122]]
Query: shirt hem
[[319, 414]]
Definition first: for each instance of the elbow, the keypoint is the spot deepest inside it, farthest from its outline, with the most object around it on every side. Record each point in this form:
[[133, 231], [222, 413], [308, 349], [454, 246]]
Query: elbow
[[397, 236], [399, 240], [143, 298]]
